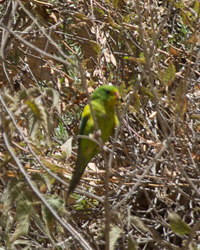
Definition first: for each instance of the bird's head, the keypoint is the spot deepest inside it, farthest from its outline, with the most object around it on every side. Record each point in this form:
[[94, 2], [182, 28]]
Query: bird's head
[[107, 94]]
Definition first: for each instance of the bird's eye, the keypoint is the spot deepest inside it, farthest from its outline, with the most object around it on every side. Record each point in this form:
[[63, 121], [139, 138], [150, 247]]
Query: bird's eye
[[107, 91]]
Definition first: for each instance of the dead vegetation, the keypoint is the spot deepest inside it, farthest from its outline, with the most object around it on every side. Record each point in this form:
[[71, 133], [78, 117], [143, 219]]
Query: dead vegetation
[[53, 55]]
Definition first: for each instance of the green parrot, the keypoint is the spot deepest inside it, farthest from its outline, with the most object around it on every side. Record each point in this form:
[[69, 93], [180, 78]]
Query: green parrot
[[103, 101]]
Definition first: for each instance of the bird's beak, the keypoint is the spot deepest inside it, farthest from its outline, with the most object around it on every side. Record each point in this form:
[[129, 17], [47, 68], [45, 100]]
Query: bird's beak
[[117, 95]]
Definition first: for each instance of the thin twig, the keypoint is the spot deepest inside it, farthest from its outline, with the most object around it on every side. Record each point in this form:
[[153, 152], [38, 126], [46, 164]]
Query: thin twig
[[37, 158], [166, 144], [65, 224]]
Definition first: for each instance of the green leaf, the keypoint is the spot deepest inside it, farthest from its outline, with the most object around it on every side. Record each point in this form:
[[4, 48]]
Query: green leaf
[[7, 97], [57, 204], [146, 91], [177, 225], [195, 117], [187, 17], [179, 4], [136, 101], [36, 115], [20, 95], [169, 73], [37, 109], [132, 244], [52, 166], [33, 124], [112, 23], [181, 99], [138, 223], [10, 194], [196, 7], [67, 148], [95, 47], [114, 235], [55, 96], [23, 221], [42, 177], [80, 16]]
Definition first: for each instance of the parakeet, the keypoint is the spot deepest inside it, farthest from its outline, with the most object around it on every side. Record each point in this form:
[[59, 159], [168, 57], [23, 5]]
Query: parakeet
[[103, 102]]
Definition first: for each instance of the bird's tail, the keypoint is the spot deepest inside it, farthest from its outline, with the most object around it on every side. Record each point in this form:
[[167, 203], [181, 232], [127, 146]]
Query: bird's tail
[[74, 181], [81, 164]]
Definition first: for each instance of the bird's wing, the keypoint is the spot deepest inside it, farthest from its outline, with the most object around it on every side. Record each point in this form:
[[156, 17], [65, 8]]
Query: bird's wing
[[87, 124]]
